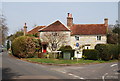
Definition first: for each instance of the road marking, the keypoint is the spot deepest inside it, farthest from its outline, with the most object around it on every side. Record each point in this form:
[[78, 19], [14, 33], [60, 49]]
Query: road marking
[[103, 77], [70, 74], [63, 72], [113, 65], [75, 76]]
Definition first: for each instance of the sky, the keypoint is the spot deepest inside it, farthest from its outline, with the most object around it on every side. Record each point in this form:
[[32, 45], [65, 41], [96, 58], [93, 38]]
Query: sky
[[45, 13]]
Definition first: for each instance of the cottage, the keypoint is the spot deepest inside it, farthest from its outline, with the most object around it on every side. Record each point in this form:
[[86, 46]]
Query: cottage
[[79, 36]]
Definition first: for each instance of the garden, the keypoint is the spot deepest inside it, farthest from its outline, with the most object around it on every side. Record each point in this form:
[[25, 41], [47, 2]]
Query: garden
[[29, 49]]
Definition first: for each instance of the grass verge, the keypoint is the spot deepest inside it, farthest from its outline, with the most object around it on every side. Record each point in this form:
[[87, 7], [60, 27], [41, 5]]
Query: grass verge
[[57, 61]]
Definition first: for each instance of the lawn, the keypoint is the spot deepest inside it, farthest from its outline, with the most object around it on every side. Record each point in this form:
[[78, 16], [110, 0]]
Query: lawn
[[57, 61]]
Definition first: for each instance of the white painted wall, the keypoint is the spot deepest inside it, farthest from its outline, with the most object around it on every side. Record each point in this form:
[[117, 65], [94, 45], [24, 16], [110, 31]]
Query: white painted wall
[[88, 39], [84, 40], [64, 32]]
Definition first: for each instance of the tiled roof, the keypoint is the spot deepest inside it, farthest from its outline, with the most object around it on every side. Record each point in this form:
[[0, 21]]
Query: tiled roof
[[35, 30], [88, 29], [56, 26]]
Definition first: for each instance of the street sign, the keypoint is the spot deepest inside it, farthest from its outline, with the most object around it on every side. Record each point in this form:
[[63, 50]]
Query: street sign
[[77, 44]]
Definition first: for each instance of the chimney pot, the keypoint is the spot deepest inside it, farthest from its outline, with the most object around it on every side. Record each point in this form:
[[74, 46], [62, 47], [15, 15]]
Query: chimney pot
[[25, 29], [25, 24], [106, 21], [69, 20], [68, 14]]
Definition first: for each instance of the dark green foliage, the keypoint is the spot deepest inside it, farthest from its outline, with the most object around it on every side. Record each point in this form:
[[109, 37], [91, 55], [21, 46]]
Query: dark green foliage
[[116, 29], [8, 45], [23, 47], [38, 47], [17, 34], [116, 51], [112, 38], [66, 49], [108, 51], [91, 54]]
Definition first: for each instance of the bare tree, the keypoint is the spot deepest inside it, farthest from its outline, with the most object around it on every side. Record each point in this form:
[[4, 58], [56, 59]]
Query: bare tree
[[3, 29], [55, 39]]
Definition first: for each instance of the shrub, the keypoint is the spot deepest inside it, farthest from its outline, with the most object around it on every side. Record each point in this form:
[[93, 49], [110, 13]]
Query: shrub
[[8, 45], [91, 54], [103, 50], [23, 47], [108, 51], [66, 49], [116, 51]]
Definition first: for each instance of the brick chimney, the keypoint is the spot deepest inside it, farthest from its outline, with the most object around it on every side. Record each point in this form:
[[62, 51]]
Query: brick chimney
[[25, 29], [106, 21], [69, 20]]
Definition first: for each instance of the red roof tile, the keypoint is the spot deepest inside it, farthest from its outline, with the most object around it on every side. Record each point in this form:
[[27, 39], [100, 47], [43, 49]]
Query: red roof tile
[[56, 26], [35, 30], [88, 29]]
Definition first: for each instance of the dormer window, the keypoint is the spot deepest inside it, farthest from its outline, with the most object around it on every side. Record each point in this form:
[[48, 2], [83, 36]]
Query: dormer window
[[77, 38], [99, 37]]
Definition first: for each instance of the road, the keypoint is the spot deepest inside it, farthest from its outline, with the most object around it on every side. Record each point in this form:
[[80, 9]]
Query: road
[[13, 68]]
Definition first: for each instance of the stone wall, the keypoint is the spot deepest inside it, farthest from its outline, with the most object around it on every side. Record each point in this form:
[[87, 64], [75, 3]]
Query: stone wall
[[88, 40]]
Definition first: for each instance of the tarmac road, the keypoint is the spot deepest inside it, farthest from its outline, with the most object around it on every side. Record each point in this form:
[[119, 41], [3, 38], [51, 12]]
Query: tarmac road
[[13, 68]]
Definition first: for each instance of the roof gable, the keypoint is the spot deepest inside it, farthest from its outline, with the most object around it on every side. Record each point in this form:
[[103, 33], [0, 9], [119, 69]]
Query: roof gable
[[35, 30], [88, 29], [56, 26]]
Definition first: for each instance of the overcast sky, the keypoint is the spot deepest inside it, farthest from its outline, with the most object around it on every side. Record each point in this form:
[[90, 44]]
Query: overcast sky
[[41, 13]]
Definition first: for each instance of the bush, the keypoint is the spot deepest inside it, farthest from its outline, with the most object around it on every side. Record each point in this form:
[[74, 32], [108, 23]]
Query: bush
[[23, 47], [91, 54], [116, 51], [108, 51], [66, 49]]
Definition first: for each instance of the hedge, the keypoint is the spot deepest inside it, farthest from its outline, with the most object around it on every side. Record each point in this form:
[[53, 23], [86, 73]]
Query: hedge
[[91, 54], [66, 49], [108, 51], [23, 47]]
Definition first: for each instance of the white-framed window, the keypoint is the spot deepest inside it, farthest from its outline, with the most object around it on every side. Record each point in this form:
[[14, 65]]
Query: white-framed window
[[77, 38], [87, 47], [54, 33], [98, 37]]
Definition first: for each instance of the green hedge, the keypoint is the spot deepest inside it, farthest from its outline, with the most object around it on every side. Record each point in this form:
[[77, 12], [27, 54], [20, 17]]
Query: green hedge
[[91, 54], [66, 49], [108, 51], [23, 47]]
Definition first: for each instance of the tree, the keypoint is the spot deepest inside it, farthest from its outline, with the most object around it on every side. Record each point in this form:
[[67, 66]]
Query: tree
[[3, 28], [55, 39], [17, 34], [116, 30], [8, 45], [113, 36]]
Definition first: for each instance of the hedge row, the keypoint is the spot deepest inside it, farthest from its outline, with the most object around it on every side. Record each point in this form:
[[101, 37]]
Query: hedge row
[[108, 51], [103, 52], [91, 54]]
